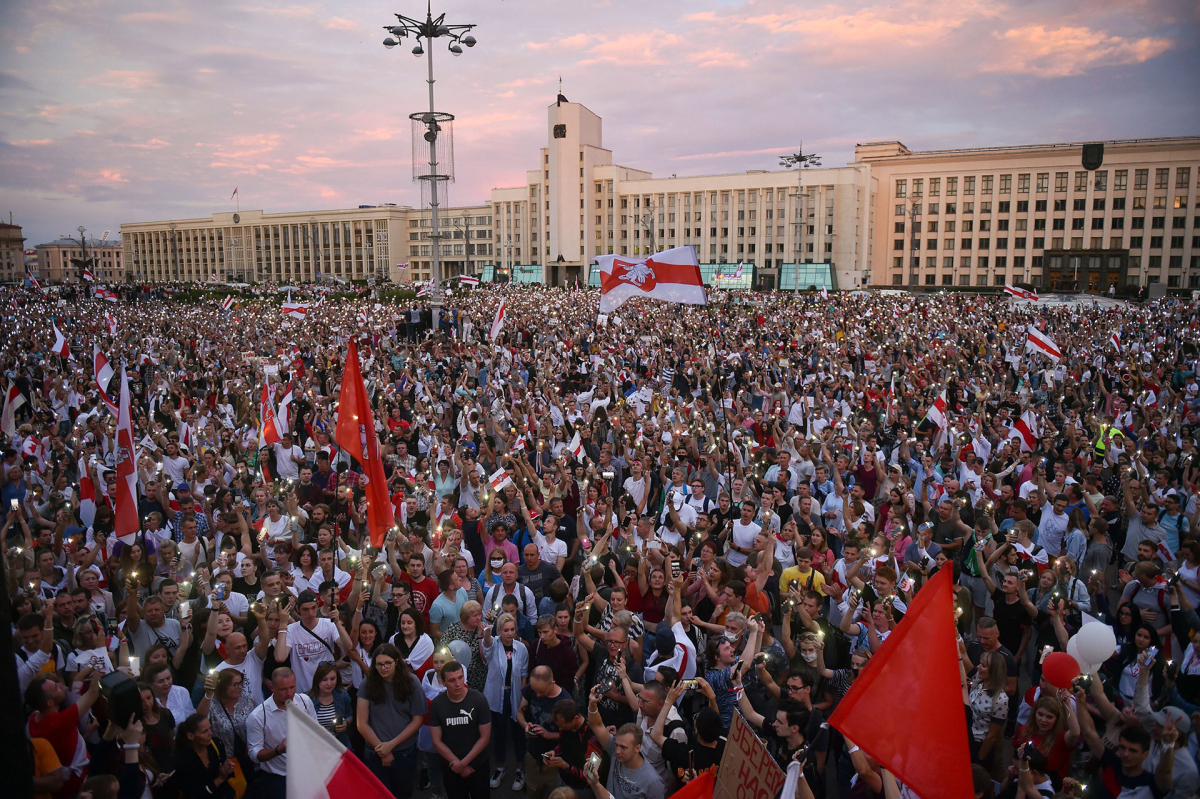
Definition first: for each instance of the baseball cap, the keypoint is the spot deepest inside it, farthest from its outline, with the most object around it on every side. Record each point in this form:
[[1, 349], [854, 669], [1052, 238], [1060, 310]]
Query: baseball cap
[[1182, 722]]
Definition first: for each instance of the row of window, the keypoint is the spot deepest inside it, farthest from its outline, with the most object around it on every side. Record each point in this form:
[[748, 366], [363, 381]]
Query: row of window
[[1039, 242], [1005, 206], [1041, 184]]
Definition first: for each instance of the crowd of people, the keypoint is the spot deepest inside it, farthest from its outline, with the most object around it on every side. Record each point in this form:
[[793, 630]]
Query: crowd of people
[[613, 534]]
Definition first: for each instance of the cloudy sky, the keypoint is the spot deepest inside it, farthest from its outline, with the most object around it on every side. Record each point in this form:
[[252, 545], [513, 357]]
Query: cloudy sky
[[127, 111]]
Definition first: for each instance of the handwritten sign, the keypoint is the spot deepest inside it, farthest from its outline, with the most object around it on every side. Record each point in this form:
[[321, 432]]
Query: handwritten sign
[[747, 770]]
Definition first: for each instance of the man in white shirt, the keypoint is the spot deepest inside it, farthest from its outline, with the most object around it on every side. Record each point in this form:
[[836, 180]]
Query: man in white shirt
[[741, 540], [311, 639], [266, 732], [240, 657], [288, 458], [1053, 526], [637, 485]]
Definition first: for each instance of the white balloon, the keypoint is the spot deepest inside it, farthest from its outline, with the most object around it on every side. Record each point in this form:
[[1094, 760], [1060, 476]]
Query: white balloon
[[1073, 651], [1096, 642]]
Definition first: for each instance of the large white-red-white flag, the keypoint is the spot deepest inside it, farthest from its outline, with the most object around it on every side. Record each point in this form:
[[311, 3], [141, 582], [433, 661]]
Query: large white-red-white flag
[[88, 276], [87, 494], [321, 768], [1115, 340], [296, 310], [111, 322], [1020, 293], [468, 280], [937, 411], [103, 372], [1025, 430], [497, 323], [125, 523], [268, 432], [1040, 342], [669, 276], [106, 294], [60, 346], [576, 446]]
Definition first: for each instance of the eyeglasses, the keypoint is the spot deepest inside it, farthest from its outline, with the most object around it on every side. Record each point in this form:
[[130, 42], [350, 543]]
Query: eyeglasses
[[385, 664]]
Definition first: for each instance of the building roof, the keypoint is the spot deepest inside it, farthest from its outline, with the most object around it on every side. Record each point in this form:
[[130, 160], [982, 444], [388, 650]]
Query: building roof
[[91, 243], [1023, 148]]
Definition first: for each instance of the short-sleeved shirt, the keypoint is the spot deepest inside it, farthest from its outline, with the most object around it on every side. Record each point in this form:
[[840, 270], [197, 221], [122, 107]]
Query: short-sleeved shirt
[[642, 782], [460, 723], [443, 610], [147, 636], [388, 719], [311, 648], [1116, 784], [811, 579], [540, 710], [539, 579], [1011, 620]]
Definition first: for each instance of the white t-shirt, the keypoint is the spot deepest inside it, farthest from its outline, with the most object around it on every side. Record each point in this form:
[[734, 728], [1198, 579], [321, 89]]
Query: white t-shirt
[[98, 659], [174, 467], [308, 651], [284, 464], [636, 488], [550, 551], [235, 603], [743, 536], [251, 669]]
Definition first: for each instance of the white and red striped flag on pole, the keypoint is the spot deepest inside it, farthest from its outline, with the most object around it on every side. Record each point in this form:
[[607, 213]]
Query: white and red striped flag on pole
[[60, 346], [362, 317], [499, 480], [576, 446], [13, 399], [1020, 293], [88, 276], [125, 523], [87, 494], [937, 411], [402, 266], [227, 303], [468, 280], [103, 372], [268, 432], [321, 767], [497, 323], [235, 193], [106, 294], [1040, 342], [669, 276], [111, 321], [296, 310], [1025, 430], [424, 289], [1115, 338]]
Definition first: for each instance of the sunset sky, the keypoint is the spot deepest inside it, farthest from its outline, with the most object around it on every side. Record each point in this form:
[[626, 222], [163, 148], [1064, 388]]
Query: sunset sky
[[116, 112]]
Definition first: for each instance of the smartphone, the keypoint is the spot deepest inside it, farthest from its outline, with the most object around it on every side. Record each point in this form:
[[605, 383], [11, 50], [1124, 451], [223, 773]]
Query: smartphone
[[592, 766], [1151, 653], [675, 570], [654, 545], [14, 503]]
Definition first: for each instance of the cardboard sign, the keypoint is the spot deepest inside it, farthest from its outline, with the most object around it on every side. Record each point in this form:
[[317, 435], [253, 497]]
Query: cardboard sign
[[747, 770]]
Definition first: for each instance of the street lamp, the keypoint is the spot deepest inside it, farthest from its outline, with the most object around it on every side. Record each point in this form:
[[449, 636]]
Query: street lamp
[[458, 35], [799, 161]]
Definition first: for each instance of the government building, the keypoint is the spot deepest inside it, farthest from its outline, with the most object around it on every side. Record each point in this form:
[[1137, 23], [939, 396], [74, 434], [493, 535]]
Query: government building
[[892, 218]]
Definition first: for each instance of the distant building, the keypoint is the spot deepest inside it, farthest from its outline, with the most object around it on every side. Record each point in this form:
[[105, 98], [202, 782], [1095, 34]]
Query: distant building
[[12, 255], [55, 261]]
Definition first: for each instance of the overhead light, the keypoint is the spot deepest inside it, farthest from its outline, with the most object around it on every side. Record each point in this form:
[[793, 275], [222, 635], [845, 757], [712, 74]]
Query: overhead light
[[398, 31], [418, 51], [389, 42], [469, 41], [442, 30], [455, 50]]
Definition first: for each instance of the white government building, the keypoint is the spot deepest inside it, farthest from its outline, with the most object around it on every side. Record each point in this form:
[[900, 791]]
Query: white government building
[[892, 218]]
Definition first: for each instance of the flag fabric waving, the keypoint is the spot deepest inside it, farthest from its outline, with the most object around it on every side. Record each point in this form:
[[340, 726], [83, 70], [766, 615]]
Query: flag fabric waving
[[362, 317], [227, 303], [669, 276], [1026, 430], [321, 767], [468, 280], [497, 323], [268, 428], [576, 446], [1115, 339], [60, 346], [1021, 294], [33, 281], [125, 523], [13, 399], [937, 411], [424, 289], [234, 193], [296, 310], [87, 494], [500, 479], [103, 372], [912, 683], [111, 321], [1040, 342], [106, 294], [88, 276], [355, 433]]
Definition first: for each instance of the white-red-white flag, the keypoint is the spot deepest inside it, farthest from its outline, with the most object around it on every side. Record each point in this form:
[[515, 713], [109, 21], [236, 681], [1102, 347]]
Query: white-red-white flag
[[88, 276], [87, 494], [125, 523], [111, 321], [106, 294], [937, 411], [320, 767], [424, 289], [669, 276], [13, 399], [576, 446], [227, 303], [60, 347], [500, 479], [497, 323], [296, 310], [824, 293], [1115, 339], [1040, 342], [102, 371], [1020, 293], [402, 266], [268, 428], [467, 280], [1025, 430], [362, 317]]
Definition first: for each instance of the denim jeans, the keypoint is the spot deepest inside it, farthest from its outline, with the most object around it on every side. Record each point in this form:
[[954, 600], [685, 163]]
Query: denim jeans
[[400, 776]]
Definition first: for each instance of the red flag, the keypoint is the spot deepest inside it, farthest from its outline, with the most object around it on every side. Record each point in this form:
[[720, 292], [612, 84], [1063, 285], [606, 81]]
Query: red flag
[[912, 683], [355, 433], [322, 768], [699, 788], [126, 524]]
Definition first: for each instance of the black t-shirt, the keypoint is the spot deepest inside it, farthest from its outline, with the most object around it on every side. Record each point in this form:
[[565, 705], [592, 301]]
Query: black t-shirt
[[460, 723], [1011, 620], [975, 653], [540, 710], [683, 756]]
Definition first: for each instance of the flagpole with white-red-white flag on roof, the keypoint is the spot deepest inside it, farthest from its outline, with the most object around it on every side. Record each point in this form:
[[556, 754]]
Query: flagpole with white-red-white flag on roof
[[671, 276]]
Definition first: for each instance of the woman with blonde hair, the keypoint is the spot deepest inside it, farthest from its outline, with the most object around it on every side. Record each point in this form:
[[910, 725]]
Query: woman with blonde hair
[[987, 710], [507, 661]]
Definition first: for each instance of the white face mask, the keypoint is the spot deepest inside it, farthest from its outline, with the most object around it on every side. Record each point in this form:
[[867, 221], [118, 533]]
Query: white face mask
[[809, 657]]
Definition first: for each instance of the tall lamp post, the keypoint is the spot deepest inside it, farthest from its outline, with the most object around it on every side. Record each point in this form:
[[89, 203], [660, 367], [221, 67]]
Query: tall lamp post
[[458, 35], [799, 161]]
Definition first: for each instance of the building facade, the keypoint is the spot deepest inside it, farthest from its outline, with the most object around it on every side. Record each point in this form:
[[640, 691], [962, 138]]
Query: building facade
[[580, 204], [12, 254], [57, 261], [368, 242], [1033, 214]]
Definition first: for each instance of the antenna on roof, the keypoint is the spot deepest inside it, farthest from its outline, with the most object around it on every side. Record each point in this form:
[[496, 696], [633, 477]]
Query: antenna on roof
[[560, 99]]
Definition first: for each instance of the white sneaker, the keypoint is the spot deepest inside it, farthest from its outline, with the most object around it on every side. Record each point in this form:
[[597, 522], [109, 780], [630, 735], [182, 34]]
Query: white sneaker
[[498, 775], [519, 780]]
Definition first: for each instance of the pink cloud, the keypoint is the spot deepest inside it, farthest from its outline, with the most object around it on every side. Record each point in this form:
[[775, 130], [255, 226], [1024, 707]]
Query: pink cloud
[[340, 24], [1069, 51], [124, 79], [31, 142]]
